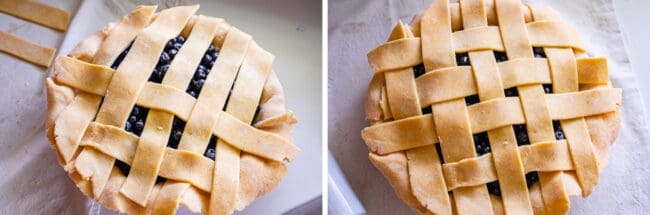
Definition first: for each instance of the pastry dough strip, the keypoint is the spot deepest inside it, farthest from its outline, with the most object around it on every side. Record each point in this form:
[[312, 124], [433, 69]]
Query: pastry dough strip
[[538, 121], [26, 50], [150, 152], [38, 13], [416, 131], [246, 94], [404, 52]]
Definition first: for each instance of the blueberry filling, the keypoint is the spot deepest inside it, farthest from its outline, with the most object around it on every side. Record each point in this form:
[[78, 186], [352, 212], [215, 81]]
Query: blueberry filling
[[210, 152], [166, 57], [470, 100], [539, 52], [439, 150], [202, 72], [521, 134], [482, 143], [418, 70], [426, 110], [462, 59], [548, 88], [500, 56], [511, 92], [559, 134], [136, 120]]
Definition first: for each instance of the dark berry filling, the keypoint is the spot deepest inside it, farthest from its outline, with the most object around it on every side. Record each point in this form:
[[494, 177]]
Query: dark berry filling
[[482, 143], [470, 100], [202, 71], [548, 88], [462, 59], [500, 56], [559, 134], [418, 70], [539, 52], [426, 110], [439, 150], [521, 134], [511, 92], [210, 152], [136, 120]]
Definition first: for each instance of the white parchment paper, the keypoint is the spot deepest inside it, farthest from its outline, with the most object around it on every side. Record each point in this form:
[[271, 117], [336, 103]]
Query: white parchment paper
[[356, 27], [32, 182]]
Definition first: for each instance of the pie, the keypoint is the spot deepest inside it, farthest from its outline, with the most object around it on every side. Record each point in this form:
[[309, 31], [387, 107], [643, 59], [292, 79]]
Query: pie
[[489, 107], [169, 108]]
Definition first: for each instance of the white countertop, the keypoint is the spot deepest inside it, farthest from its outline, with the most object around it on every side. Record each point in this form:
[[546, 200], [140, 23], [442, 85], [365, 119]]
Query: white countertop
[[633, 17]]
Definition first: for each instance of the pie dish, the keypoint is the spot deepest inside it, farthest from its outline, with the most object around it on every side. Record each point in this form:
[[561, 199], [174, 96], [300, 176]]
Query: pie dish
[[489, 107], [169, 108]]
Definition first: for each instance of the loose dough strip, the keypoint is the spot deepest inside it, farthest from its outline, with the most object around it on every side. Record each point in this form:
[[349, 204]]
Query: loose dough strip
[[28, 51], [38, 13]]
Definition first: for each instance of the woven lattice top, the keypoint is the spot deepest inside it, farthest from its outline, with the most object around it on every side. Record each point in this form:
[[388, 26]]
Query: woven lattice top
[[484, 107], [207, 129]]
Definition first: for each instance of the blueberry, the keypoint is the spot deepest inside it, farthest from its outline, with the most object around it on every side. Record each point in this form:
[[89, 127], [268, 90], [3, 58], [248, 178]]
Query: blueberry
[[211, 49], [511, 92], [198, 84], [548, 88], [531, 178], [169, 45], [201, 68], [178, 46], [164, 57], [180, 39], [177, 135], [426, 110], [193, 93], [202, 74], [211, 64], [521, 134], [127, 126], [482, 143], [462, 59], [132, 119], [215, 55], [210, 153], [136, 111], [206, 60], [418, 70], [500, 56], [539, 52], [163, 69], [494, 188], [172, 52], [470, 100], [139, 124]]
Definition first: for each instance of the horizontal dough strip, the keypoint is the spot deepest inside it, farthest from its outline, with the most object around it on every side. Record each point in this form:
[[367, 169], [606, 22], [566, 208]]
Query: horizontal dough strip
[[26, 50], [433, 87], [543, 157], [418, 131], [406, 52], [38, 13]]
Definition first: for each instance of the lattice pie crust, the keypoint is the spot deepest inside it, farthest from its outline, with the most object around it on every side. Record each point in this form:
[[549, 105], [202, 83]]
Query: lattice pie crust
[[476, 67], [89, 104]]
